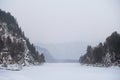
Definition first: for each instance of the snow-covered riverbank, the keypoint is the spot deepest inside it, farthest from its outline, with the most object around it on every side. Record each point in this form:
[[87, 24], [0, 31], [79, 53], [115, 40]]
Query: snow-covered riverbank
[[62, 71]]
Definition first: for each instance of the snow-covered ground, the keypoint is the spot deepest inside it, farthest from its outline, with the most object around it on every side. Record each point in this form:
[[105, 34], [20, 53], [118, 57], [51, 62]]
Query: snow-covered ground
[[62, 71]]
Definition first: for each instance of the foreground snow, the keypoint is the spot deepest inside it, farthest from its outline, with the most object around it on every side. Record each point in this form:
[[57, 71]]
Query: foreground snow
[[62, 71]]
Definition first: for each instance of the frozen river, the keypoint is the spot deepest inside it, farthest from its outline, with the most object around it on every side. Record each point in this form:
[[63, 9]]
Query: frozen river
[[62, 71]]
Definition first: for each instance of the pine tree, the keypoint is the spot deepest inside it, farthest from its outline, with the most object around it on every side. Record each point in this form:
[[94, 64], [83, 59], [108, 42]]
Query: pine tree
[[1, 44]]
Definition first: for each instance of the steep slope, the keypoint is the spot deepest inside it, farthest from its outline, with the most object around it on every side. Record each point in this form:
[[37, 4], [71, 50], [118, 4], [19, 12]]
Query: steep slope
[[106, 54], [15, 48]]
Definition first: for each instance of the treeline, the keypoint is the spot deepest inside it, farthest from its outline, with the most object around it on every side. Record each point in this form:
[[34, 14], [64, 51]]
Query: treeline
[[107, 53]]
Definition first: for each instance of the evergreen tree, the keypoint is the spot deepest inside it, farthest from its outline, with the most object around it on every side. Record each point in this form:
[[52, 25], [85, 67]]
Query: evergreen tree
[[1, 44]]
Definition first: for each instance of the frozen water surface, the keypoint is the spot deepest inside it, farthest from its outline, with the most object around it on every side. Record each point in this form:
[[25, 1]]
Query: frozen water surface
[[62, 71]]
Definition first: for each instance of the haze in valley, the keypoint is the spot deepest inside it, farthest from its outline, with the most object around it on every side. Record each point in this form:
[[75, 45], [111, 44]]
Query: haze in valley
[[65, 27]]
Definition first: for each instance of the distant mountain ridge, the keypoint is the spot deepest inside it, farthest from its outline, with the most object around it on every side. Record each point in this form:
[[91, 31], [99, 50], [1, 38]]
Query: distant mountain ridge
[[48, 57], [65, 52]]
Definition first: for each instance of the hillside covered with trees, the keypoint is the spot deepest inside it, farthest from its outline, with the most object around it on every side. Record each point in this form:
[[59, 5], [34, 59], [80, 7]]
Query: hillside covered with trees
[[105, 54], [15, 47]]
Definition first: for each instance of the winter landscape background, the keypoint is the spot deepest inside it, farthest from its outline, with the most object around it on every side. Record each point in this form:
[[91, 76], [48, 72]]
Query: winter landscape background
[[59, 40], [72, 24]]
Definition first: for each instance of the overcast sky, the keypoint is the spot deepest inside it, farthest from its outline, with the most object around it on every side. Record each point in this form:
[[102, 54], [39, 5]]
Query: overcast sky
[[60, 21]]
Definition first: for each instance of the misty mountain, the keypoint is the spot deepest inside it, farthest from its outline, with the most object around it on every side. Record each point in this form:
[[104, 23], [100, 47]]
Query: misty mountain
[[48, 57], [66, 52]]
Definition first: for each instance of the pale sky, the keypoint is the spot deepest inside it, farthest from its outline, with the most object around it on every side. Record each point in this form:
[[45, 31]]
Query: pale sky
[[60, 21]]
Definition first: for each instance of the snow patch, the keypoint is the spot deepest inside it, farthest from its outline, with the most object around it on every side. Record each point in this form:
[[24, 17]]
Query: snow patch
[[62, 71]]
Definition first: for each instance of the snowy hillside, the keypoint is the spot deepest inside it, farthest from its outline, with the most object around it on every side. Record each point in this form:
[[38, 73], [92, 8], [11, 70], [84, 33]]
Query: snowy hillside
[[15, 47], [106, 54], [62, 71]]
